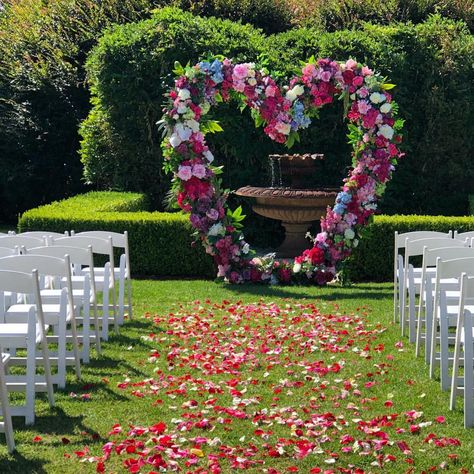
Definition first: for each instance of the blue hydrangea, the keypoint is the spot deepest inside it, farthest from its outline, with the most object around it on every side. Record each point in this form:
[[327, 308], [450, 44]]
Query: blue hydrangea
[[344, 198], [339, 208], [299, 118], [216, 70]]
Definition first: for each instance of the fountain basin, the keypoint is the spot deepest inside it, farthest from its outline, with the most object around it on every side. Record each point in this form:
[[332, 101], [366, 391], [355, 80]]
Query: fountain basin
[[296, 208]]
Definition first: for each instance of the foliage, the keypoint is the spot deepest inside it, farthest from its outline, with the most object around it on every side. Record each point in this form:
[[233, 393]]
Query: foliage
[[345, 14], [471, 204], [373, 258], [156, 239]]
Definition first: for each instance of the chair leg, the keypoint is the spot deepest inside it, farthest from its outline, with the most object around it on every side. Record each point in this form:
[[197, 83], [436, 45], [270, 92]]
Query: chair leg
[[428, 335], [47, 371], [62, 352], [75, 346], [129, 297], [468, 374], [114, 310], [434, 334], [86, 328], [105, 314], [96, 329], [7, 420], [444, 354], [412, 317], [30, 381], [454, 376]]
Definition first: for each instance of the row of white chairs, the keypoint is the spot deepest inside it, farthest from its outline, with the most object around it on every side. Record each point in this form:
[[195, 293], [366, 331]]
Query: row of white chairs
[[48, 295], [433, 299]]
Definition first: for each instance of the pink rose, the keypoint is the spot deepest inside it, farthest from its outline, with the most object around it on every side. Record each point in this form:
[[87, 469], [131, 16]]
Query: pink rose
[[357, 81], [270, 91], [366, 71], [363, 106], [326, 76], [240, 71], [199, 171], [185, 173], [351, 64]]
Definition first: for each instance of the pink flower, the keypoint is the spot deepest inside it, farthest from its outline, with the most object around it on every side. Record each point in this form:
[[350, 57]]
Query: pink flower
[[326, 76], [309, 70], [351, 64], [363, 106], [240, 71], [199, 171], [357, 81], [185, 173], [212, 214], [366, 71], [270, 91]]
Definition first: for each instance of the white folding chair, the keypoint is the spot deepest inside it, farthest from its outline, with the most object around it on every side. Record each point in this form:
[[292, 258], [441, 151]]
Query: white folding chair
[[26, 336], [83, 297], [464, 235], [464, 340], [412, 278], [12, 241], [6, 252], [425, 302], [57, 315], [104, 283], [398, 269], [445, 315], [44, 235], [6, 425], [122, 273]]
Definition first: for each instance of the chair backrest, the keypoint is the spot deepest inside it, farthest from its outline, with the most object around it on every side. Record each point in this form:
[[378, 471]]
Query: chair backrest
[[5, 251], [99, 246], [467, 286], [118, 240], [464, 235], [400, 239], [44, 234], [45, 265], [18, 282], [12, 241], [453, 268], [430, 256], [415, 247], [77, 255]]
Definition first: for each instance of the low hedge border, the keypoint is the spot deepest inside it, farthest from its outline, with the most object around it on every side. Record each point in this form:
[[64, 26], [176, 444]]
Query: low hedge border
[[160, 242], [372, 260]]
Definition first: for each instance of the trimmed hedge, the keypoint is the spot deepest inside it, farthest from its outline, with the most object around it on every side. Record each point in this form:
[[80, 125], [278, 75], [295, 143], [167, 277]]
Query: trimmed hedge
[[471, 204], [160, 243], [372, 260]]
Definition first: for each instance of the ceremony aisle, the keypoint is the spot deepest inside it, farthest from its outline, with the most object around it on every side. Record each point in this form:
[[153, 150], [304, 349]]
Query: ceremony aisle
[[214, 378]]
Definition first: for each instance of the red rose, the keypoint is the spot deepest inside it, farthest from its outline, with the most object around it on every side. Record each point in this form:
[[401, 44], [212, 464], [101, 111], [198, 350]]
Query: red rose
[[316, 255]]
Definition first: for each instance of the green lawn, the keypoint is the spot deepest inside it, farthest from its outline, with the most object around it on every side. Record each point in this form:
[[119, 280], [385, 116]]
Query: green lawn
[[280, 391]]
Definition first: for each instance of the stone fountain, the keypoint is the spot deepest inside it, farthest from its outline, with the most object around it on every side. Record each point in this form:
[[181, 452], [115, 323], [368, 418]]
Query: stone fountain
[[290, 199]]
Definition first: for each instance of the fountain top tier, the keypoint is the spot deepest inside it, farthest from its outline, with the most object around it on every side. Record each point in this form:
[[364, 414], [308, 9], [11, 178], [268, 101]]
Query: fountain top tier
[[294, 171]]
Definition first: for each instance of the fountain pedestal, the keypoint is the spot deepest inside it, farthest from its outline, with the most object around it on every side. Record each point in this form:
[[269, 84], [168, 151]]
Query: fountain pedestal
[[296, 208]]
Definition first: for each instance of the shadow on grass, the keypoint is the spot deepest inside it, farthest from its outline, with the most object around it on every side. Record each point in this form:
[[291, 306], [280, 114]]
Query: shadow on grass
[[328, 294], [17, 463], [104, 366]]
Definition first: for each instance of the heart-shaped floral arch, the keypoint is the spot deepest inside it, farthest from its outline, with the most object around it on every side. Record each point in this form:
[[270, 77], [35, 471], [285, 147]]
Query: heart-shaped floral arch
[[374, 134]]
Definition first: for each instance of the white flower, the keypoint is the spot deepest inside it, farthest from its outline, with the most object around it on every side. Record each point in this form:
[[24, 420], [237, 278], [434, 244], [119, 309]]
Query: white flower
[[252, 81], [355, 242], [386, 131], [193, 125], [292, 94], [283, 128], [296, 267], [184, 94], [175, 140], [386, 108], [216, 229], [183, 132], [182, 109], [209, 156], [377, 98], [349, 234], [246, 248]]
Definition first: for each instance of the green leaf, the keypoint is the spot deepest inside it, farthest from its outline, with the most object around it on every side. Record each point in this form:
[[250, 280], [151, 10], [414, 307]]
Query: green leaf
[[387, 87]]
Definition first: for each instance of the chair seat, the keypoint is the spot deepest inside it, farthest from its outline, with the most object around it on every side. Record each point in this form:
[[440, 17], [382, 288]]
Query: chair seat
[[19, 313], [49, 296], [13, 332], [5, 358]]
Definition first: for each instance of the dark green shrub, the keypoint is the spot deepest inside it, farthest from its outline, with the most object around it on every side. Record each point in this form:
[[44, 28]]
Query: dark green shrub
[[346, 14], [471, 204], [372, 260], [160, 243]]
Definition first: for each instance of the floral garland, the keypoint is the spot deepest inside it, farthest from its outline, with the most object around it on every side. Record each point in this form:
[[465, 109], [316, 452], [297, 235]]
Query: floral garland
[[374, 134]]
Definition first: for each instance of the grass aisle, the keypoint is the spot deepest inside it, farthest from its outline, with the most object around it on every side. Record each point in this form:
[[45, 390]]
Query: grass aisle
[[305, 380]]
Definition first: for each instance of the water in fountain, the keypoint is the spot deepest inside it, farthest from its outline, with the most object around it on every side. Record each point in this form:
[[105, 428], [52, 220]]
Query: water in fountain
[[275, 169]]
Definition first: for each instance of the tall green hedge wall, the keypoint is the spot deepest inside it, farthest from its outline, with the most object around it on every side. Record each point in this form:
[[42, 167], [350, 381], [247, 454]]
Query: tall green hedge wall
[[431, 63]]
